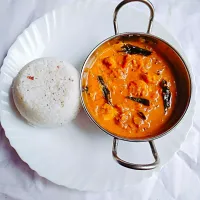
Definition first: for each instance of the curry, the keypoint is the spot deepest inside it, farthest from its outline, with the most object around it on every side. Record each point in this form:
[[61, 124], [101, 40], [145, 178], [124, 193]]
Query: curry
[[130, 89]]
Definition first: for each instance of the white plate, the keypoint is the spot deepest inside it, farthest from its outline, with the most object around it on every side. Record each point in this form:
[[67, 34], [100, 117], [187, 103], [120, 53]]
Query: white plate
[[79, 155]]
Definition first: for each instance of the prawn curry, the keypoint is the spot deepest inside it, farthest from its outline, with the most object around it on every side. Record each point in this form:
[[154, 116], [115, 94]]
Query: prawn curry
[[129, 89]]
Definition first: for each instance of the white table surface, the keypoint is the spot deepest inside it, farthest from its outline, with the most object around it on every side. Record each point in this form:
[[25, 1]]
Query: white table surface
[[179, 179]]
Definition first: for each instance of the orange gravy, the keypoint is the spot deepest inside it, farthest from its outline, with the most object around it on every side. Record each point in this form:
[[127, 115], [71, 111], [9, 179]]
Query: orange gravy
[[124, 76]]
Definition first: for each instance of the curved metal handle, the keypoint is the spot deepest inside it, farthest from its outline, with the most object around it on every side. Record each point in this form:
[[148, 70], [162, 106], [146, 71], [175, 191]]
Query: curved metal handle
[[148, 3], [136, 166]]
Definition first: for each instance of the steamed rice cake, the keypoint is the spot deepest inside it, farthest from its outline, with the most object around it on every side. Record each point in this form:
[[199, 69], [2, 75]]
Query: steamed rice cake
[[46, 92]]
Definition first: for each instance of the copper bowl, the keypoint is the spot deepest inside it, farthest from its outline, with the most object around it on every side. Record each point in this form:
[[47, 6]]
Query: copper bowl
[[182, 78]]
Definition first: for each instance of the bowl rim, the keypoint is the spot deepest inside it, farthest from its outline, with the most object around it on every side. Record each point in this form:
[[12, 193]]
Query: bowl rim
[[138, 34]]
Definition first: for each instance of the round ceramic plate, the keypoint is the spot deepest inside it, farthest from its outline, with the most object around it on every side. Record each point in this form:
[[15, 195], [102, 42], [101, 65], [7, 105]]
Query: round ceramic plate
[[79, 154]]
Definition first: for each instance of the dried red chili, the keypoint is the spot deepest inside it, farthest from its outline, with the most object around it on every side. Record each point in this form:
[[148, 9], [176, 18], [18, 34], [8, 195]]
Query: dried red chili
[[30, 77]]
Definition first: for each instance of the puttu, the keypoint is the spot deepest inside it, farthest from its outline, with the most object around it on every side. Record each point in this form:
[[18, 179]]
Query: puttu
[[46, 92]]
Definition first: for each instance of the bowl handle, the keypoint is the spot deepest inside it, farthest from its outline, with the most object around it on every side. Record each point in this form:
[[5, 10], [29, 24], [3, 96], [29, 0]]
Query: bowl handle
[[148, 3], [136, 166]]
